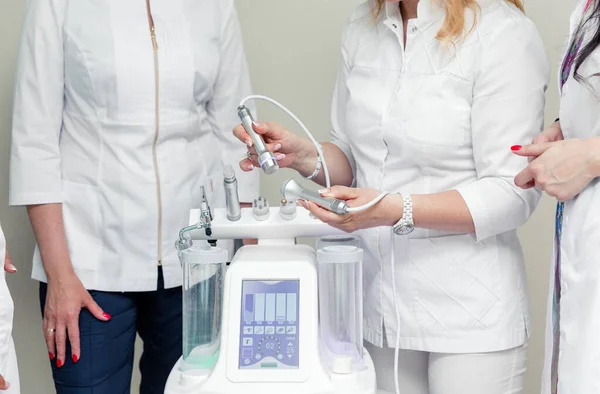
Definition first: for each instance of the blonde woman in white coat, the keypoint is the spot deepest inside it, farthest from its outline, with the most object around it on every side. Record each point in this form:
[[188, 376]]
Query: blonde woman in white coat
[[433, 124], [9, 371], [565, 162]]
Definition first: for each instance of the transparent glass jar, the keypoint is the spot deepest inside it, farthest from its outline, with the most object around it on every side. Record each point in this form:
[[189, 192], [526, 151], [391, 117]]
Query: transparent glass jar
[[341, 303], [203, 273]]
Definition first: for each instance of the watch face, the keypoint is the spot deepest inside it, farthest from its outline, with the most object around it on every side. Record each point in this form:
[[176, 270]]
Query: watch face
[[404, 230]]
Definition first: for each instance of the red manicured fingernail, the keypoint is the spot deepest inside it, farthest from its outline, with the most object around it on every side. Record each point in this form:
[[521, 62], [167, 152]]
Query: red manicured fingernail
[[51, 356], [106, 316], [59, 363], [75, 358], [516, 147]]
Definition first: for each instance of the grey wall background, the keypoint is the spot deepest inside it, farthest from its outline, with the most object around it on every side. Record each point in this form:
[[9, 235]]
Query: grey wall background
[[293, 51]]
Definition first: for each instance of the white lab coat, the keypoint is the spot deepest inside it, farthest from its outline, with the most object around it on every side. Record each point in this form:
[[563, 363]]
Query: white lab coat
[[84, 128], [579, 354], [426, 121], [8, 358]]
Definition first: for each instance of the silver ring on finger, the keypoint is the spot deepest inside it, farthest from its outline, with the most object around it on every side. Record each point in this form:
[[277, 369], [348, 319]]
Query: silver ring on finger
[[51, 330], [249, 155]]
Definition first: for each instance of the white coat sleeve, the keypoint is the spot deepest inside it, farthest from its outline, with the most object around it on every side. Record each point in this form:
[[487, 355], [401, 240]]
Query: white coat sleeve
[[338, 107], [6, 314], [35, 163], [232, 85], [508, 109]]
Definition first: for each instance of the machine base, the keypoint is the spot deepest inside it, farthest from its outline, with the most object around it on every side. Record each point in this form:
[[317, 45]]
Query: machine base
[[193, 382]]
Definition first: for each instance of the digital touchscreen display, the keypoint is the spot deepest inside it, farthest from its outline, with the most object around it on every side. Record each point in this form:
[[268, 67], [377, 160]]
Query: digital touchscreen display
[[269, 325]]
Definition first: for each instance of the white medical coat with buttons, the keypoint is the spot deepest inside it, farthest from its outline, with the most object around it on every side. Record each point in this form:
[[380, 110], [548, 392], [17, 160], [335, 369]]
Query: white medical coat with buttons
[[579, 350], [8, 358], [424, 119], [86, 132]]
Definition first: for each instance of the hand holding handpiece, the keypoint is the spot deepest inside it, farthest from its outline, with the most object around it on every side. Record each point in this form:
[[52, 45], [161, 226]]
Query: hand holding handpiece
[[292, 191], [265, 158]]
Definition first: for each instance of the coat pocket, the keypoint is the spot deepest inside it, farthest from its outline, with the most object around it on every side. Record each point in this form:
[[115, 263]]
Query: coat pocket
[[455, 283]]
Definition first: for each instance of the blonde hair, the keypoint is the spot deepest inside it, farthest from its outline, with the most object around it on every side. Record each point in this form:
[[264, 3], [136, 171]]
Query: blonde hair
[[454, 24]]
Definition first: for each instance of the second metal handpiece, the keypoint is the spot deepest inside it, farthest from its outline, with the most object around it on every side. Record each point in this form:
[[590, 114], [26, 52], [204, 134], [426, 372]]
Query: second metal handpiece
[[293, 191], [232, 199], [266, 158]]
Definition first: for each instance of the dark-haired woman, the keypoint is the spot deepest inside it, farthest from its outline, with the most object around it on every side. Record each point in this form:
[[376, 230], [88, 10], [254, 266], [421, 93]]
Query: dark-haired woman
[[565, 162]]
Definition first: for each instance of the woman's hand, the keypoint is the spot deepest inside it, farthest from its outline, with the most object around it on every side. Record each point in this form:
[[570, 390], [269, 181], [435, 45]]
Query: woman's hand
[[65, 298], [562, 168], [553, 133], [385, 213], [8, 264], [290, 150]]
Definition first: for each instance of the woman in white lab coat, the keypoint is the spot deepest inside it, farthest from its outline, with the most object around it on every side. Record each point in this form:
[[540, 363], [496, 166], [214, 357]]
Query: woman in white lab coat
[[565, 162], [427, 106], [123, 110], [9, 370]]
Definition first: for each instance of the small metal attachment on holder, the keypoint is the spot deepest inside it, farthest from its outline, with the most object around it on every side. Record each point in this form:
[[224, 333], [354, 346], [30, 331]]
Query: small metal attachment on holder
[[204, 222], [260, 209], [287, 210]]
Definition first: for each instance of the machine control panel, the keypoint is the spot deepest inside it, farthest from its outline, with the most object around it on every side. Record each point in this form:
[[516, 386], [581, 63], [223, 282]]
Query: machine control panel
[[269, 326]]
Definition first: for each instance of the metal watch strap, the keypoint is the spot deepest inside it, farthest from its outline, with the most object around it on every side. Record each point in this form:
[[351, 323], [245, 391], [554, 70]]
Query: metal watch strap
[[318, 166], [406, 224]]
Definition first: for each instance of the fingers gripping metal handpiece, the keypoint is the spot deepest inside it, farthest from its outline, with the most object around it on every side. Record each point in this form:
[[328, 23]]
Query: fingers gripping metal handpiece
[[266, 158], [293, 191]]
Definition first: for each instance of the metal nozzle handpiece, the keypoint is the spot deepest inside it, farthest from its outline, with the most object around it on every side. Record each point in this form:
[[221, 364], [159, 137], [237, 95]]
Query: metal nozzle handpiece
[[291, 190], [232, 199], [205, 212], [266, 159]]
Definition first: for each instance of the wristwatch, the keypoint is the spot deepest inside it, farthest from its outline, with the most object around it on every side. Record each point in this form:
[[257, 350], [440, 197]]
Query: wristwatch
[[406, 225]]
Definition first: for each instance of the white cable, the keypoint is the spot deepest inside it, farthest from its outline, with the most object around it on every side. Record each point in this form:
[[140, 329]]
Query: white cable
[[397, 347], [295, 118], [368, 205]]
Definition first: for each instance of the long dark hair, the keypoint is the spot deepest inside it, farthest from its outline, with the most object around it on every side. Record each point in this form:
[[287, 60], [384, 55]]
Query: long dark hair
[[592, 20]]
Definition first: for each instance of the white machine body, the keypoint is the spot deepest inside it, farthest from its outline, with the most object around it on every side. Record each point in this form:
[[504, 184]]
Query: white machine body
[[270, 320]]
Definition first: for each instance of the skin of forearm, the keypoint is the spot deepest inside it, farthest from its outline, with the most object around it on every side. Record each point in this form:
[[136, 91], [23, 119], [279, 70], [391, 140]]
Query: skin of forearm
[[340, 170], [595, 144], [446, 211], [48, 227]]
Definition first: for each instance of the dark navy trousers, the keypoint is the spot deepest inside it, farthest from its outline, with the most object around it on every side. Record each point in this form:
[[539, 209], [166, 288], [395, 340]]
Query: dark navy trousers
[[107, 348]]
